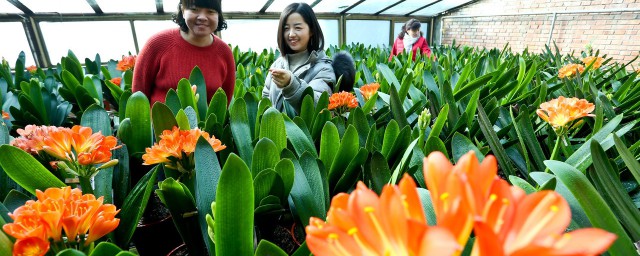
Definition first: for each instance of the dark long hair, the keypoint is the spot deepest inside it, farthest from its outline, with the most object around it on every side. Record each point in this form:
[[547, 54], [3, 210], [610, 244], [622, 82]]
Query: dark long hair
[[316, 42], [212, 4], [409, 25]]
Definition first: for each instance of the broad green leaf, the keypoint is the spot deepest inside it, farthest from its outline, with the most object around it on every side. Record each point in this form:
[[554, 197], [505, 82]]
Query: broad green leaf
[[239, 122], [528, 138], [329, 143], [352, 172], [266, 183], [139, 112], [396, 108], [273, 127], [523, 184], [492, 139], [358, 119], [628, 158], [593, 204], [14, 161], [265, 156], [286, 170], [181, 204], [234, 209], [196, 78], [391, 133], [461, 145], [347, 150], [183, 120], [104, 249], [306, 202], [440, 122], [403, 163], [70, 252], [133, 207], [185, 94], [299, 140], [163, 119], [207, 169], [268, 248], [218, 105]]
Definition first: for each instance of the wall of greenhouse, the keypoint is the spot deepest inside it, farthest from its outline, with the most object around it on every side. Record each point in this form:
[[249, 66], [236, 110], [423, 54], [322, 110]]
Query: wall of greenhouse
[[610, 26]]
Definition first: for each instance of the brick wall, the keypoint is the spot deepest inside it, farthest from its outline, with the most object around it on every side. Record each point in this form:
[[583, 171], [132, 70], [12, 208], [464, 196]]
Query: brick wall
[[614, 33]]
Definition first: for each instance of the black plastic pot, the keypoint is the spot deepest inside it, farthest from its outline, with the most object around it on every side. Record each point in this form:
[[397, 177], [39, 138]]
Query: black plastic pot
[[156, 234]]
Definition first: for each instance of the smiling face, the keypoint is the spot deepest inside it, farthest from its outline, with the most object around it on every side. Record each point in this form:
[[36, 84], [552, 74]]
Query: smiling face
[[202, 22], [414, 32], [296, 33]]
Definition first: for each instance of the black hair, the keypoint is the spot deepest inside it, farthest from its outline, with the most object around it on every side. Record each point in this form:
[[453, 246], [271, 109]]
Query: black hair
[[211, 4], [411, 24], [316, 42]]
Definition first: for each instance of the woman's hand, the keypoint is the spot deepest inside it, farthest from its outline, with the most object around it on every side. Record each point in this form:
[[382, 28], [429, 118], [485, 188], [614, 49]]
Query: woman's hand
[[281, 77]]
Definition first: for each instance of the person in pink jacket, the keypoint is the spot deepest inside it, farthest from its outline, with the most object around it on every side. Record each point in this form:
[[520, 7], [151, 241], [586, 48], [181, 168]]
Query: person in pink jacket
[[410, 39]]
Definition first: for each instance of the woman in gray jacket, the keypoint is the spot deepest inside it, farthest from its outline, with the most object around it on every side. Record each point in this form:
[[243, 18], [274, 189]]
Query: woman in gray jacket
[[302, 62]]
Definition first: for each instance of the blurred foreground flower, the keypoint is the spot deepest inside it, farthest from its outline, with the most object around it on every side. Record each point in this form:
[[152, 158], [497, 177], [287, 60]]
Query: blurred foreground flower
[[175, 149], [127, 62], [32, 69], [570, 70], [83, 218], [361, 223], [5, 115], [597, 62], [116, 80], [369, 90], [562, 111]]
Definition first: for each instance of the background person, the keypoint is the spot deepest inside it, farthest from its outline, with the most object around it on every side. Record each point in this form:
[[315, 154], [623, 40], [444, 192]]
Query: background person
[[410, 39]]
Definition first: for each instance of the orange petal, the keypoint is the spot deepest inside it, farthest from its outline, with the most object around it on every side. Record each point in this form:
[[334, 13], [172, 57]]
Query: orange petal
[[31, 246]]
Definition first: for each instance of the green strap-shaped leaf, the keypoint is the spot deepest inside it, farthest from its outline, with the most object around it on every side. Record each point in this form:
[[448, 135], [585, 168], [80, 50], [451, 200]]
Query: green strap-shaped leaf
[[139, 112], [266, 183], [441, 120], [6, 245], [578, 217], [427, 206], [218, 105], [391, 133], [70, 252], [133, 207], [234, 209], [329, 143], [15, 161], [183, 120], [528, 138], [594, 206], [104, 249], [173, 101], [192, 116], [628, 158], [196, 78], [316, 180], [403, 163], [388, 74], [241, 132], [306, 202], [395, 103], [352, 172], [265, 156], [268, 248], [492, 138], [301, 143], [187, 99], [121, 177], [207, 176], [348, 149], [461, 145], [163, 119], [308, 110], [523, 184], [180, 202], [605, 178], [272, 127], [88, 85], [358, 119], [286, 170]]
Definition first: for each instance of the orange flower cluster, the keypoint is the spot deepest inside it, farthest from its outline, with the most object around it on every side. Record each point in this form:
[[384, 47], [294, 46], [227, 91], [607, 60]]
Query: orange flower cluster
[[83, 218], [361, 223], [5, 115], [570, 70], [78, 143], [597, 61], [369, 90], [176, 145], [32, 69], [127, 62], [468, 196], [342, 99], [562, 111], [116, 80]]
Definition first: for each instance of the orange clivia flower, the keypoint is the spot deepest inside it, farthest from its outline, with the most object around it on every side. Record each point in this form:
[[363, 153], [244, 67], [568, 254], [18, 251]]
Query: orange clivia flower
[[562, 111], [31, 246], [32, 69], [5, 115], [116, 80], [363, 223], [342, 99], [535, 225], [597, 61], [32, 137], [176, 146], [570, 70], [369, 90], [127, 62], [83, 218]]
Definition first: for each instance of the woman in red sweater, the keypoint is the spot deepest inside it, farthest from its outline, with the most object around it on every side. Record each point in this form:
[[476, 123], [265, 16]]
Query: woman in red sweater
[[172, 54], [410, 39]]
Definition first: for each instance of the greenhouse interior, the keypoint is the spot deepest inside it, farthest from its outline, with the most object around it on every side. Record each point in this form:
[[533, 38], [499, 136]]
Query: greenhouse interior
[[320, 127]]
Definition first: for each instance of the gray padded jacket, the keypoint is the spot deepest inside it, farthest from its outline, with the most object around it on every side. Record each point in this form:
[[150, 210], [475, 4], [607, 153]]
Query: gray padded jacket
[[316, 73]]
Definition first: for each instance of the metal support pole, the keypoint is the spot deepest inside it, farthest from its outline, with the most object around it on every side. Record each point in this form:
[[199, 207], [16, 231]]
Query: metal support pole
[[553, 24]]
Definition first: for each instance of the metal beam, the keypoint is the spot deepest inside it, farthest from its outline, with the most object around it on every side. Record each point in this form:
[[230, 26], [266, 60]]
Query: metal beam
[[159, 6], [266, 6], [21, 6], [351, 7], [95, 6], [388, 7], [316, 2], [416, 10]]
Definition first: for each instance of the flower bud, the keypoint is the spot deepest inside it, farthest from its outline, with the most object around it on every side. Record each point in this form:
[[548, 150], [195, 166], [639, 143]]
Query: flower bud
[[424, 120]]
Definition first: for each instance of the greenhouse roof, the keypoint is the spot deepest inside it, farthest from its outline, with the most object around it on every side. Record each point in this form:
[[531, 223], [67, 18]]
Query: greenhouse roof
[[423, 8]]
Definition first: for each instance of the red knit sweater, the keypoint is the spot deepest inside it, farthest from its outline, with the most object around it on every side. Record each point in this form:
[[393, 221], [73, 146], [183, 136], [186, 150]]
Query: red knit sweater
[[167, 58]]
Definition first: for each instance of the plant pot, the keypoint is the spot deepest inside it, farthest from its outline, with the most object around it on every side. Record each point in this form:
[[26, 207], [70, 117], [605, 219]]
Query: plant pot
[[156, 233], [179, 251]]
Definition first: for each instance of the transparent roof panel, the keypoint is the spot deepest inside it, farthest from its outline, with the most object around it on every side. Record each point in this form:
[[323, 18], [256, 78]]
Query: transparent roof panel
[[440, 7], [66, 6], [10, 49], [279, 5], [148, 28], [371, 6], [407, 7], [333, 6], [171, 6], [95, 38], [6, 7], [123, 6], [242, 5]]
